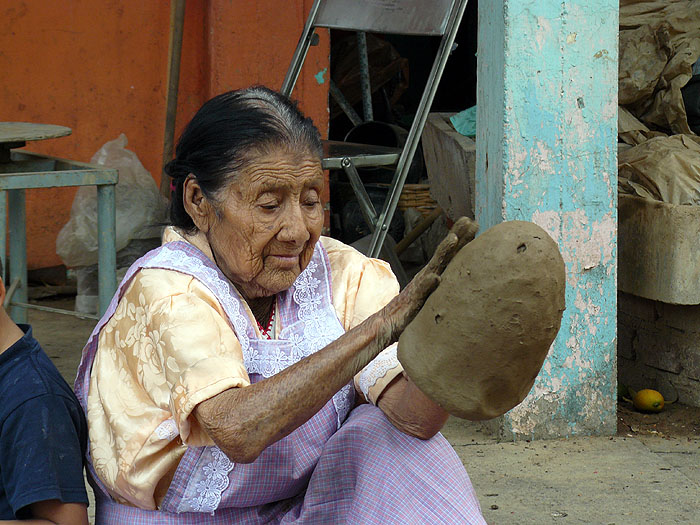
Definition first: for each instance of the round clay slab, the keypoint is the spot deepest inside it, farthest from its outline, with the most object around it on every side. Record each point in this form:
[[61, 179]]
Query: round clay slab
[[480, 339]]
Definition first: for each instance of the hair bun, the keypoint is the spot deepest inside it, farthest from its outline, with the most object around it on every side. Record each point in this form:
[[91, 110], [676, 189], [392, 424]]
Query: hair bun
[[175, 169]]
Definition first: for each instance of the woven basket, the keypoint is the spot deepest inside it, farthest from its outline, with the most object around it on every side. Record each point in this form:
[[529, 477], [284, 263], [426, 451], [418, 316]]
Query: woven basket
[[416, 196]]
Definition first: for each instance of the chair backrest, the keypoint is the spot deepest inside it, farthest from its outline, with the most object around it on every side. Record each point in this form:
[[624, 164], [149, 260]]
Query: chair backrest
[[408, 17]]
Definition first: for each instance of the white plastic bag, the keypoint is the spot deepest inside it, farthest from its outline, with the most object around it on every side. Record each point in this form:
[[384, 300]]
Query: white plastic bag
[[140, 207]]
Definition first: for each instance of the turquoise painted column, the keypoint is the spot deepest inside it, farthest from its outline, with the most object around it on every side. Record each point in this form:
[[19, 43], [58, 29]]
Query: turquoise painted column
[[546, 153]]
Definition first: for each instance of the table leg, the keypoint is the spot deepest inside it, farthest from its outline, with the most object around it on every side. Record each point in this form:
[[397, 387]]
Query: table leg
[[107, 238], [3, 234], [18, 253]]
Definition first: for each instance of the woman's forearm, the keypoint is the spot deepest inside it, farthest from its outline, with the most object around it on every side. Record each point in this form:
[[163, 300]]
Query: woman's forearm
[[244, 421]]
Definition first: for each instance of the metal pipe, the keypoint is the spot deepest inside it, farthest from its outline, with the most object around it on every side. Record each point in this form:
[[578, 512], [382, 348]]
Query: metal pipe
[[418, 124], [364, 76], [177, 22], [55, 310], [106, 245], [300, 52], [10, 292], [344, 104], [3, 232], [18, 251]]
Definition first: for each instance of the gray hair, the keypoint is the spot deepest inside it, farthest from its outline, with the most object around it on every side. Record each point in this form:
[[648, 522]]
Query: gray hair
[[226, 135]]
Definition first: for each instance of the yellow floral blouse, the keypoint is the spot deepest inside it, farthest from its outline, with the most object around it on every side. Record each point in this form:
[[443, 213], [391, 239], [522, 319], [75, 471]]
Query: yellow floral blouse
[[169, 347]]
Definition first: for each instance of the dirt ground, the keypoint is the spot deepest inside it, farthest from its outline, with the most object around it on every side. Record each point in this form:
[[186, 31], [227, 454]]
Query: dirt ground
[[675, 421]]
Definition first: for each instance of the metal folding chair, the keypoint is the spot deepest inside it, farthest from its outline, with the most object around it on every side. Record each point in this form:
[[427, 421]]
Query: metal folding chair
[[407, 17]]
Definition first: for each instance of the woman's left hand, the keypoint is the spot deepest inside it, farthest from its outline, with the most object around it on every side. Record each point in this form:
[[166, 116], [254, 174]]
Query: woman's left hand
[[410, 410]]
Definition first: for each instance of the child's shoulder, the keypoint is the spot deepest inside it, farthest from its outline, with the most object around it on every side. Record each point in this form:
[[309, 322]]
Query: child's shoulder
[[27, 373]]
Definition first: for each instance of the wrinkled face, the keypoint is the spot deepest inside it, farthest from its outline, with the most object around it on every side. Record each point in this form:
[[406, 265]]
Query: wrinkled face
[[266, 222]]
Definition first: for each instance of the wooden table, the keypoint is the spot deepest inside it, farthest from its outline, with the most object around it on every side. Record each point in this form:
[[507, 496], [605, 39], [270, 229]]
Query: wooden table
[[22, 170]]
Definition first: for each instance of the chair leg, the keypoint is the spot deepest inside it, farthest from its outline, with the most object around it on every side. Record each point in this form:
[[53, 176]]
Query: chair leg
[[388, 253], [369, 214], [18, 253], [107, 256]]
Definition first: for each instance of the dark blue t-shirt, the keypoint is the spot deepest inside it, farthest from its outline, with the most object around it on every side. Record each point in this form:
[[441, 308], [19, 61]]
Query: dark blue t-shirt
[[43, 433]]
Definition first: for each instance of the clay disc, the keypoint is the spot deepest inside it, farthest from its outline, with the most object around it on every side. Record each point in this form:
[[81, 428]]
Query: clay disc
[[480, 339]]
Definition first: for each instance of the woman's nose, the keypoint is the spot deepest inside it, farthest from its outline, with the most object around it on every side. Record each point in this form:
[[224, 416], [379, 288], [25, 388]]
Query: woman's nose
[[294, 227]]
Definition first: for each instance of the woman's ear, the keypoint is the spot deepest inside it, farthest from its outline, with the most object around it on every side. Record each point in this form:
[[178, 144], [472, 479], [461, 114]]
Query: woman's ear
[[197, 205]]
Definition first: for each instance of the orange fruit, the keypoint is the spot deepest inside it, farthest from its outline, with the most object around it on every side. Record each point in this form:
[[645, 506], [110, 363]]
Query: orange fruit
[[648, 400]]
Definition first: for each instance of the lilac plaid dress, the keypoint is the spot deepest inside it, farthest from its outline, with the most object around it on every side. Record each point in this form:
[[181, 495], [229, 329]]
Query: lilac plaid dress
[[333, 469]]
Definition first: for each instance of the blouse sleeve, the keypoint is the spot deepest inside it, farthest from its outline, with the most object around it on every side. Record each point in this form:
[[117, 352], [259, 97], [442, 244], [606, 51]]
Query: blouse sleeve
[[167, 348], [171, 339], [201, 358], [361, 287]]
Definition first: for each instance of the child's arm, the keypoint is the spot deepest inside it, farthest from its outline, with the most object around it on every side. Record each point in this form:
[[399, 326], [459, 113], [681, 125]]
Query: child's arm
[[41, 463], [54, 512]]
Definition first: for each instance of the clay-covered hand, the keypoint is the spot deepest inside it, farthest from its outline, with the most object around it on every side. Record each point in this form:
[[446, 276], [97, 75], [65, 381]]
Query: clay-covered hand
[[403, 308]]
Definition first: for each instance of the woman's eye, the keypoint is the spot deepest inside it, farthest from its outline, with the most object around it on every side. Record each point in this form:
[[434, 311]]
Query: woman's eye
[[311, 199], [269, 206]]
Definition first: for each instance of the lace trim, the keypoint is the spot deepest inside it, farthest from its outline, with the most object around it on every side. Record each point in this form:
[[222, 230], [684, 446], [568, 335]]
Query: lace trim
[[317, 332], [318, 323], [343, 401], [172, 258], [377, 369], [211, 488], [167, 430]]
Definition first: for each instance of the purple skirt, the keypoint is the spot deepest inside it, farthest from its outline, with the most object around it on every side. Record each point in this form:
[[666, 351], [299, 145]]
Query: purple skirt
[[368, 473]]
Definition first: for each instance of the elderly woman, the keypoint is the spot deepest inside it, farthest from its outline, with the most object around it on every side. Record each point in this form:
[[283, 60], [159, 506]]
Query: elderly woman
[[240, 374]]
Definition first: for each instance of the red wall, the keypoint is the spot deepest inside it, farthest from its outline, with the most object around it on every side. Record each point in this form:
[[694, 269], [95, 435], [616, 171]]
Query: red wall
[[100, 68]]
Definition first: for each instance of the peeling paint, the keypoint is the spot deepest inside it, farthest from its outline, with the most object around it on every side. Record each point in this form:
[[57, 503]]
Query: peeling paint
[[550, 139], [320, 75]]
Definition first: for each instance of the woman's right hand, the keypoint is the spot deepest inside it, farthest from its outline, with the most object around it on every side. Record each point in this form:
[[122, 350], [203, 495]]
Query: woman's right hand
[[404, 307]]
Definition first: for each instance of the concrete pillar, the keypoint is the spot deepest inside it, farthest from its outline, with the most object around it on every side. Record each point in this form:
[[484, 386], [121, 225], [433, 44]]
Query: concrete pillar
[[546, 153]]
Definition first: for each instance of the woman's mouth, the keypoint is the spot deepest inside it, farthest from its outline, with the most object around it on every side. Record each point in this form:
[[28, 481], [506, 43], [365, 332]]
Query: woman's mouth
[[285, 261]]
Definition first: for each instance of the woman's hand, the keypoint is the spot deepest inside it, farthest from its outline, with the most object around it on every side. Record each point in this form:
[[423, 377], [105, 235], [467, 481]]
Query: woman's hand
[[404, 307]]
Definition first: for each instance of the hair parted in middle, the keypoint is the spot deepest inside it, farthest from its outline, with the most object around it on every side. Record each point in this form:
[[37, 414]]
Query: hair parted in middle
[[227, 134]]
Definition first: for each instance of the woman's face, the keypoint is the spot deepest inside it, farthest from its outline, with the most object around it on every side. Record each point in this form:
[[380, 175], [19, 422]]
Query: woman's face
[[267, 221]]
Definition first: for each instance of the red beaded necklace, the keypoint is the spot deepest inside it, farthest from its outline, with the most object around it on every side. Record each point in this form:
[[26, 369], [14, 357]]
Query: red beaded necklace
[[265, 331]]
